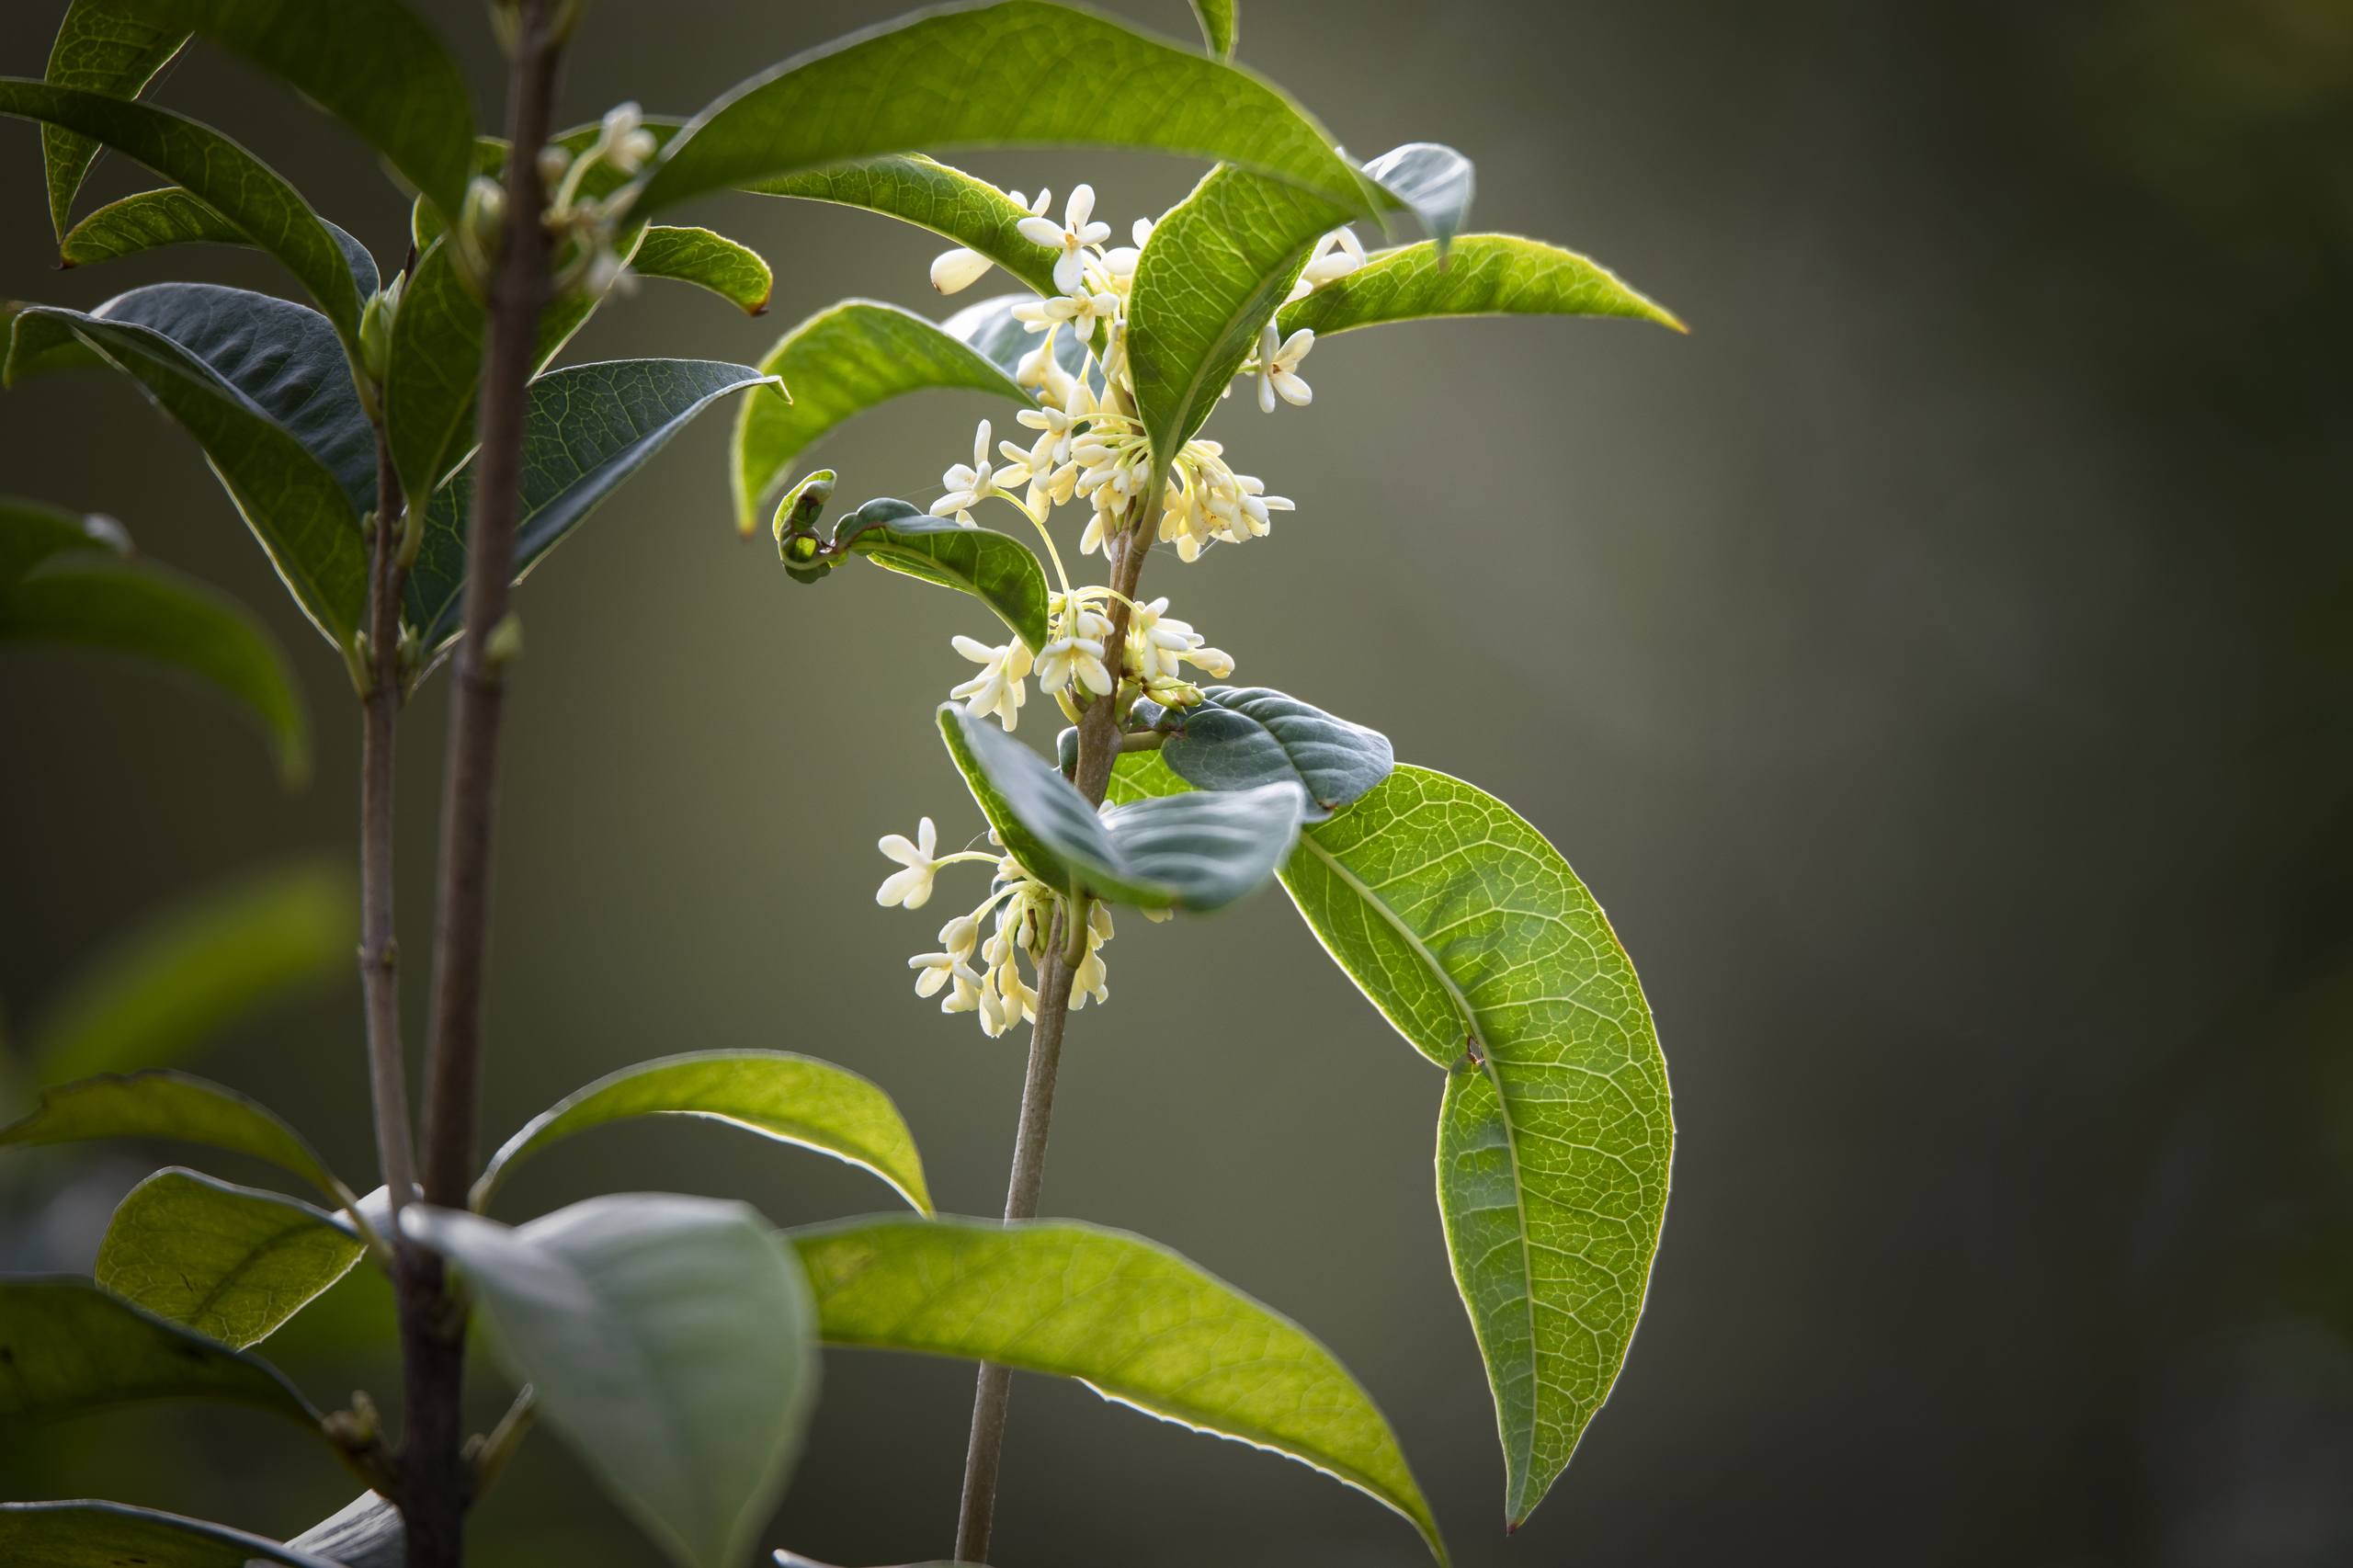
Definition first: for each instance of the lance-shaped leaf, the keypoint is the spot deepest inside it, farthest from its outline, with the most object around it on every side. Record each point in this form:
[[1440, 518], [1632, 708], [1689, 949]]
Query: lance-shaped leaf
[[948, 201], [1485, 274], [371, 63], [154, 219], [587, 428], [365, 1533], [1136, 1323], [225, 176], [180, 976], [173, 1106], [995, 568], [1477, 942], [232, 1263], [1219, 25], [669, 1340], [838, 363], [734, 272], [914, 83], [1192, 851], [98, 50], [110, 1535], [145, 612], [1239, 737], [67, 1346], [793, 1099]]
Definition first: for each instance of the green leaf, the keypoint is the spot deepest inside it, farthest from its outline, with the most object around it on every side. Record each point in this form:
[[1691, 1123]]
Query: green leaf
[[793, 1099], [668, 1338], [1219, 25], [98, 50], [68, 1347], [733, 272], [587, 428], [154, 219], [109, 1535], [175, 1105], [914, 83], [950, 202], [217, 171], [232, 1263], [1139, 1324], [1193, 851], [838, 363], [145, 612], [1434, 182], [995, 568], [1485, 275], [35, 532], [367, 1532], [368, 62], [1239, 737], [1477, 942]]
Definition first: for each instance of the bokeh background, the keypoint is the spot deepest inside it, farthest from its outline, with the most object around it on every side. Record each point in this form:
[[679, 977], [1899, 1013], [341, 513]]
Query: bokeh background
[[1938, 663]]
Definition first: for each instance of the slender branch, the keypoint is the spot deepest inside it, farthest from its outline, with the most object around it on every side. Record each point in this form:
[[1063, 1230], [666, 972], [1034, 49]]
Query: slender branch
[[378, 941]]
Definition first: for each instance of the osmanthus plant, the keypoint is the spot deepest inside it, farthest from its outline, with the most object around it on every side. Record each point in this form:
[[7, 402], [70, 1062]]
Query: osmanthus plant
[[405, 446]]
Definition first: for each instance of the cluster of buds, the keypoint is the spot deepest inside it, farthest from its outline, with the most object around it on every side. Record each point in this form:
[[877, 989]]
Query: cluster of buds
[[981, 977]]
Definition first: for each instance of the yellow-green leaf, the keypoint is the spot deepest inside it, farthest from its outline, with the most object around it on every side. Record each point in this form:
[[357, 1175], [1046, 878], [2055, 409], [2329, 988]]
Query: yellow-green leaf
[[733, 271], [1485, 274]]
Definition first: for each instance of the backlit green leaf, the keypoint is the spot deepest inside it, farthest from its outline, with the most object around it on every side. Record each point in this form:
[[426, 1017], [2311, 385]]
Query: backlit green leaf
[[1239, 737], [153, 219], [995, 568], [171, 1106], [669, 1341], [794, 1099], [950, 202], [67, 1346], [1139, 1324], [1219, 25], [733, 272], [1485, 274], [100, 48], [232, 1263], [110, 1535]]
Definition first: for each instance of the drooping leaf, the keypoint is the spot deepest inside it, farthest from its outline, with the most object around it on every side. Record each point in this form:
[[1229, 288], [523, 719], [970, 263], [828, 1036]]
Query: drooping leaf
[[371, 63], [67, 1346], [232, 1263], [1485, 274], [794, 1099], [587, 428], [173, 1106], [180, 976], [734, 272], [1134, 1322], [1434, 182], [98, 50], [217, 171], [1219, 25], [841, 363], [1477, 942], [1191, 851], [153, 219], [995, 568], [670, 1341], [948, 201], [111, 1535], [367, 1532], [913, 84], [35, 532], [1239, 737]]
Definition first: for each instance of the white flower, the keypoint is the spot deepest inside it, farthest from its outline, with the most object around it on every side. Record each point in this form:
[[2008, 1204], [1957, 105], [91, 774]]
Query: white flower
[[1071, 236], [628, 144], [968, 486], [1278, 367], [997, 689], [911, 887], [1336, 254], [1065, 657]]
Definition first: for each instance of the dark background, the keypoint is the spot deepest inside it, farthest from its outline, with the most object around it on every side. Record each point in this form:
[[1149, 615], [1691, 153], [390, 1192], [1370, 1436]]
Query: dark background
[[1938, 663]]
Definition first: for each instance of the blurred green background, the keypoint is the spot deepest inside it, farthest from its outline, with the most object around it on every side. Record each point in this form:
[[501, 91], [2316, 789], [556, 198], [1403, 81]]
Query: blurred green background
[[1938, 663]]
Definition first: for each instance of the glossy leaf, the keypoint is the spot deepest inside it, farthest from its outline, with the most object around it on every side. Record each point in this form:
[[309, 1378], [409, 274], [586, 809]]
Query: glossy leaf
[[1239, 737], [217, 171], [34, 531], [994, 332], [371, 63], [1485, 274], [839, 363], [793, 1099], [734, 272], [669, 1341], [67, 1346], [172, 1106], [1434, 182], [1219, 25], [1477, 942], [1139, 1324], [913, 83], [950, 202], [154, 219], [1192, 851], [367, 1532], [232, 1263], [98, 50], [111, 1535], [587, 428], [996, 569]]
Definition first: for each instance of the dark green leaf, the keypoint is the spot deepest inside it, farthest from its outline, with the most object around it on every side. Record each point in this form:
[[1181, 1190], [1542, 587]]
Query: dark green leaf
[[1485, 274], [587, 428], [98, 50], [1477, 942], [232, 1263], [153, 219], [794, 1099], [913, 84], [950, 202], [110, 1535], [1139, 1324], [1434, 182], [35, 532], [174, 1106], [669, 1341], [733, 272], [995, 568], [841, 363], [1219, 25], [1239, 737], [67, 1346]]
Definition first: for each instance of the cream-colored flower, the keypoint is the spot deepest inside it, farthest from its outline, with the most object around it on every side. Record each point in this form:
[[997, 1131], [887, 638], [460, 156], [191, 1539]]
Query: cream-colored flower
[[968, 486], [1068, 658], [1070, 237], [910, 887], [1278, 367], [997, 689], [956, 270]]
